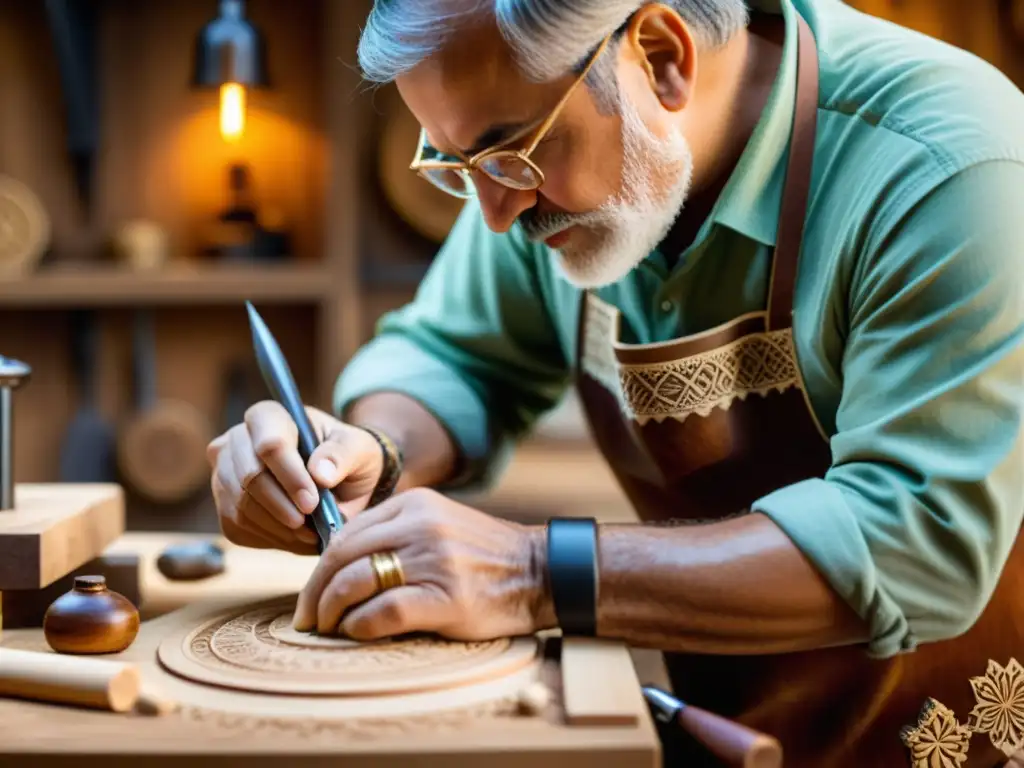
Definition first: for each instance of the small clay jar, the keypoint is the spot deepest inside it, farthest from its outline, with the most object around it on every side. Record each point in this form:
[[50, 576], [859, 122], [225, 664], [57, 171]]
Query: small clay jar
[[90, 619]]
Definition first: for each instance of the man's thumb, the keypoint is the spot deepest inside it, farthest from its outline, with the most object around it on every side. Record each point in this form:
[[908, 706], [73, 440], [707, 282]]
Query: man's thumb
[[336, 460]]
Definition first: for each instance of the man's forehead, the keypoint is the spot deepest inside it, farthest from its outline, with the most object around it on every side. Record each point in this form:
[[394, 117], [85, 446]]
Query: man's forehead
[[472, 95]]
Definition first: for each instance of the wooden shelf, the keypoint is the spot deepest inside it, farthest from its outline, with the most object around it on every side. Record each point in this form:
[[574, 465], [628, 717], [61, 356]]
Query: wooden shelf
[[394, 275], [186, 284]]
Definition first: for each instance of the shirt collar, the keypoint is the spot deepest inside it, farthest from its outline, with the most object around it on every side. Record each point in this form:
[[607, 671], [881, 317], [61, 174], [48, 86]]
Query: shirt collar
[[752, 197]]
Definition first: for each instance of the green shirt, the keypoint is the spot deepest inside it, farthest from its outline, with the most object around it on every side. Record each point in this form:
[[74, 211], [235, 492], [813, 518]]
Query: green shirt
[[908, 324]]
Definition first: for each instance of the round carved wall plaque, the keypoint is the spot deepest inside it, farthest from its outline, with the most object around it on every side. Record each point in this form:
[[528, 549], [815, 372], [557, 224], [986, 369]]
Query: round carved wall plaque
[[254, 648], [24, 227]]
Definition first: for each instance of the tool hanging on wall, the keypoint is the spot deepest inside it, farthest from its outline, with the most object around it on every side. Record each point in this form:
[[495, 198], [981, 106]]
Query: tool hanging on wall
[[1012, 13], [73, 27], [162, 449], [87, 455]]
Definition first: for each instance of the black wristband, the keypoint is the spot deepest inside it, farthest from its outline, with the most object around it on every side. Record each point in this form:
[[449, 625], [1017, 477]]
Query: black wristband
[[573, 573]]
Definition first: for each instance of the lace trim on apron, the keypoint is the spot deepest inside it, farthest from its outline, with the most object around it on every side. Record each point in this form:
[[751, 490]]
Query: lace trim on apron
[[758, 363]]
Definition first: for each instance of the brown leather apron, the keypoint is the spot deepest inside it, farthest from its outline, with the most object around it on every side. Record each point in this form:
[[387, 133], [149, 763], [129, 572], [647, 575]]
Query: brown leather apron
[[699, 428]]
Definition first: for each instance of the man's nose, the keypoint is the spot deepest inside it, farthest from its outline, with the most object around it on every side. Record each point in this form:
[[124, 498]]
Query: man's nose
[[501, 206]]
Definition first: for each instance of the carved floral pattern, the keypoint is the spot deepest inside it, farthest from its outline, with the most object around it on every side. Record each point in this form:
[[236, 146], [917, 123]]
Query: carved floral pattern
[[248, 647], [938, 740], [999, 711], [246, 641]]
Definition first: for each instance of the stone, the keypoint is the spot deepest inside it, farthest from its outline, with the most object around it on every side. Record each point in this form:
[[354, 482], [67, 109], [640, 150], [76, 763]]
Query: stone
[[191, 561]]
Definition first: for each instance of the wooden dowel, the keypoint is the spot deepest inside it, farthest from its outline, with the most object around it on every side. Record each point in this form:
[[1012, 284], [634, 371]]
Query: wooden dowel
[[79, 680]]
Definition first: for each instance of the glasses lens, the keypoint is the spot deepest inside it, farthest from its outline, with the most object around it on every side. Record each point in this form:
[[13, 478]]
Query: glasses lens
[[454, 181], [511, 170]]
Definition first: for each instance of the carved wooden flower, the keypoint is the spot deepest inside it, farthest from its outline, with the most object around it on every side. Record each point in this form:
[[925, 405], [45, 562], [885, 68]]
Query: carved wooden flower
[[938, 740], [999, 711]]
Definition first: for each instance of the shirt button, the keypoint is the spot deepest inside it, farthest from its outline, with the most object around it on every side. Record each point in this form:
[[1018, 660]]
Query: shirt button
[[666, 306]]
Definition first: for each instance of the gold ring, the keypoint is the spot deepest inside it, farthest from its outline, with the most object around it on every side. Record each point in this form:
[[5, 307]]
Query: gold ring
[[387, 569]]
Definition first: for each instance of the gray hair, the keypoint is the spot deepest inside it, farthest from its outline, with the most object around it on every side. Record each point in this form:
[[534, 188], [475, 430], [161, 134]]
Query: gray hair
[[549, 38]]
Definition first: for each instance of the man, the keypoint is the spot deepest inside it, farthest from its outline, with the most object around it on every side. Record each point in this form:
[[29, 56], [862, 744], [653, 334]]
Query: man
[[780, 255]]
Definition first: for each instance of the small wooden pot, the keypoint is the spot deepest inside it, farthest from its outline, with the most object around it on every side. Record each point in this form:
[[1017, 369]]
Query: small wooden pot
[[90, 619]]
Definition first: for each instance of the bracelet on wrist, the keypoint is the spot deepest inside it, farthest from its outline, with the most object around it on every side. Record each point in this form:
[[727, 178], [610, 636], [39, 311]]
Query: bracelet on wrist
[[391, 471], [572, 569]]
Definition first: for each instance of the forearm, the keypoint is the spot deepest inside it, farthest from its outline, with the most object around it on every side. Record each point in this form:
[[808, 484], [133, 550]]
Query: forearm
[[734, 587], [430, 457]]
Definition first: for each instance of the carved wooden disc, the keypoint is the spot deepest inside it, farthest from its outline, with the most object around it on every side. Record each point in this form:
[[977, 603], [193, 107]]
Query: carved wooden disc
[[281, 629], [254, 648]]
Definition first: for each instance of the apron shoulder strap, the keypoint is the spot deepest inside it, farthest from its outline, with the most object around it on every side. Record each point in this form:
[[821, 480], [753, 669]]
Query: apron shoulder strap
[[798, 182]]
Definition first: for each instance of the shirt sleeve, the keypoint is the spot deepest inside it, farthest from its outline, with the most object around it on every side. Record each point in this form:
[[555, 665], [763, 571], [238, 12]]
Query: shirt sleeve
[[925, 497], [476, 346]]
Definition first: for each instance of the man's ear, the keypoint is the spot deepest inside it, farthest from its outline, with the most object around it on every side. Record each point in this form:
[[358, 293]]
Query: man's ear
[[664, 47]]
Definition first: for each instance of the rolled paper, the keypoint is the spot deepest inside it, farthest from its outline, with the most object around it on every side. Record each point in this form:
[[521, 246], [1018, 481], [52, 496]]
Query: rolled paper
[[736, 745], [326, 518]]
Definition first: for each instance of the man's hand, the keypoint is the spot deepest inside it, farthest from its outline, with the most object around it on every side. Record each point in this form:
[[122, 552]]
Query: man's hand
[[468, 576], [262, 488]]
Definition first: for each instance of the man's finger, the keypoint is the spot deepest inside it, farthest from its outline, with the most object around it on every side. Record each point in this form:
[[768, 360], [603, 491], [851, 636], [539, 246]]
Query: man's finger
[[339, 463], [246, 463], [411, 608], [215, 447], [227, 491], [245, 537], [268, 493], [275, 441], [343, 550], [353, 584], [258, 517]]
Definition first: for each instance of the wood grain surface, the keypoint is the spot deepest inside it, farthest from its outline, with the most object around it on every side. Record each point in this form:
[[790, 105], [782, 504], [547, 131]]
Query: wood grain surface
[[54, 529], [471, 725]]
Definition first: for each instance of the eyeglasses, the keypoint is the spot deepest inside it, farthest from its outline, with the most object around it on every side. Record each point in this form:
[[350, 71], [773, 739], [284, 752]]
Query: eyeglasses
[[511, 168]]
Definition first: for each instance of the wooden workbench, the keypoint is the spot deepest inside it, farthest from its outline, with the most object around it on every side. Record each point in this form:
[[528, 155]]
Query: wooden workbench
[[38, 735]]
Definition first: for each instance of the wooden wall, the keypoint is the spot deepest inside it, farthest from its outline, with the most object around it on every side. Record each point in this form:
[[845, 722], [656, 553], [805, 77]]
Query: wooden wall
[[991, 29], [312, 141], [161, 159]]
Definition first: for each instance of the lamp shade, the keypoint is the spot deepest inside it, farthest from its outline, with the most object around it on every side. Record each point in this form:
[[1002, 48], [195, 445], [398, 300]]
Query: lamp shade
[[229, 49]]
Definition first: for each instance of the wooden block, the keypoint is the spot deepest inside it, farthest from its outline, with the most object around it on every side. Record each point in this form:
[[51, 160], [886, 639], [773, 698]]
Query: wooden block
[[24, 608], [56, 528], [598, 683]]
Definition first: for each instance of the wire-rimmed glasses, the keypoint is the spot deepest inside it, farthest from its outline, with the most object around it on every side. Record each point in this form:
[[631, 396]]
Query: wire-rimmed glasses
[[511, 168]]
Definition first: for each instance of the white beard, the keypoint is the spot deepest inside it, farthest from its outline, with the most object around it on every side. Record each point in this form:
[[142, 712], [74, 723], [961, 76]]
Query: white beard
[[621, 233]]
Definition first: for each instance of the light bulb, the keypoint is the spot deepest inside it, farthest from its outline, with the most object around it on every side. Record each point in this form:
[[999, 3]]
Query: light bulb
[[232, 111]]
